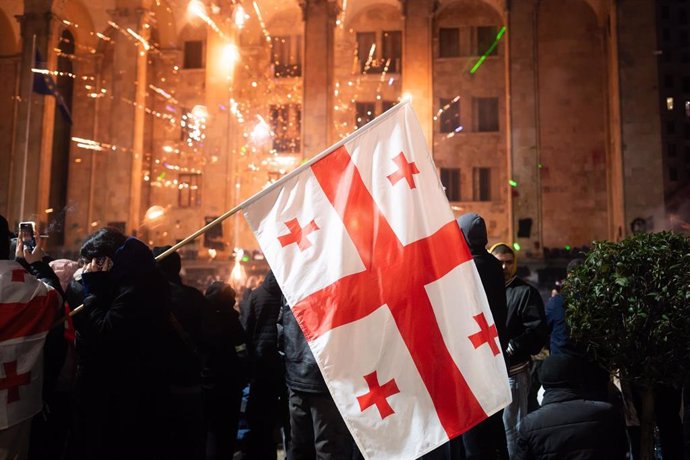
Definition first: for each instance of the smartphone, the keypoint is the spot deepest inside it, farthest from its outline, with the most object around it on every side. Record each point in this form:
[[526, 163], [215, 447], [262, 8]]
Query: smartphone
[[27, 234]]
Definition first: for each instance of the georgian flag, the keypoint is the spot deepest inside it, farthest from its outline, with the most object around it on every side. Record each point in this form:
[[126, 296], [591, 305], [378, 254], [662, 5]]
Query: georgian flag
[[375, 268], [28, 309]]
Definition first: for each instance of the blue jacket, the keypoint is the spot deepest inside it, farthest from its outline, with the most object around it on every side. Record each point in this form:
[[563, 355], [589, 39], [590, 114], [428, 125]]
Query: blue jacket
[[555, 320]]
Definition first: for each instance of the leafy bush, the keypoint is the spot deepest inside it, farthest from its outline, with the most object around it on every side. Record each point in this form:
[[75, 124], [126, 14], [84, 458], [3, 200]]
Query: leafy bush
[[629, 305]]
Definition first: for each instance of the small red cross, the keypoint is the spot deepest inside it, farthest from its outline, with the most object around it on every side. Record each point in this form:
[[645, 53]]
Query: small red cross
[[405, 171], [12, 381], [487, 334], [378, 395], [298, 234], [18, 275]]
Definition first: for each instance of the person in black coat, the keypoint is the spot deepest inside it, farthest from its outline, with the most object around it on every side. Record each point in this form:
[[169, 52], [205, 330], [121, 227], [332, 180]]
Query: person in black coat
[[225, 372], [488, 439], [569, 426], [527, 334], [259, 317], [123, 362], [185, 417]]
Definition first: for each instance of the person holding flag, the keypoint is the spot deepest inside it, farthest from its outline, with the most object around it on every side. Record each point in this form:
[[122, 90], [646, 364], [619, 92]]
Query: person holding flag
[[377, 274]]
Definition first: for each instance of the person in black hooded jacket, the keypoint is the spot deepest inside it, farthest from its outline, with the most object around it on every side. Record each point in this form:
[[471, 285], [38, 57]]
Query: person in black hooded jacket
[[121, 356], [569, 425], [225, 370], [185, 419], [488, 439], [259, 317]]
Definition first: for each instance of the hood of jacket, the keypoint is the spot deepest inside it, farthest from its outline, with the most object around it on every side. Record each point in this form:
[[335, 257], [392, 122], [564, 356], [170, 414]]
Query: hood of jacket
[[271, 284], [220, 295], [132, 260], [474, 229]]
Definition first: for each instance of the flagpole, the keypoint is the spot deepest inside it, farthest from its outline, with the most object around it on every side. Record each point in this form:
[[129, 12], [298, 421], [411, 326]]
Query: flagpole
[[28, 124], [384, 116]]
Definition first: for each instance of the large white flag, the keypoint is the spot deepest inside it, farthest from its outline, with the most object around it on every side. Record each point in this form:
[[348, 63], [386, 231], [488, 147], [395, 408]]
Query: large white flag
[[375, 268]]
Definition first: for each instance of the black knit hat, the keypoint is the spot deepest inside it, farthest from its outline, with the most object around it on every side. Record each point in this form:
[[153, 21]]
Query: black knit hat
[[561, 370]]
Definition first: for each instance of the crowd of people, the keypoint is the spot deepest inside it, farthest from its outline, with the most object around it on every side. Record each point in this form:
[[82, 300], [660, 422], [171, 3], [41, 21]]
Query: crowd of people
[[154, 369]]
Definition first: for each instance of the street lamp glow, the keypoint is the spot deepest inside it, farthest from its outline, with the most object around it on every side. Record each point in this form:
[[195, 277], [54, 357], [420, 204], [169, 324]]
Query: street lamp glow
[[231, 54], [154, 212], [197, 8]]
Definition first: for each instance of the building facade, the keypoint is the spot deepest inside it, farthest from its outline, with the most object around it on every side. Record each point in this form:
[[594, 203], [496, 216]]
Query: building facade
[[544, 116]]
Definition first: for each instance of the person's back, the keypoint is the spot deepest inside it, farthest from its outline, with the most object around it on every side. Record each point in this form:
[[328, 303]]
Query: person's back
[[487, 440], [568, 426], [225, 370], [260, 320]]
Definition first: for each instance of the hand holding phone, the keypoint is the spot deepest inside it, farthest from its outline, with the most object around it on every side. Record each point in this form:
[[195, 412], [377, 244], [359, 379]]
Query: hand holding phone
[[27, 235], [30, 255]]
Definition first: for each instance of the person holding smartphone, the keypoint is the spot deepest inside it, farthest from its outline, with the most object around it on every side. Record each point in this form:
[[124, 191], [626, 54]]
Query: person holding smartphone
[[30, 300]]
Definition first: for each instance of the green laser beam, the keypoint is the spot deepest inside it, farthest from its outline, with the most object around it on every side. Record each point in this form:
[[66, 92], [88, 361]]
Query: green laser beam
[[489, 51]]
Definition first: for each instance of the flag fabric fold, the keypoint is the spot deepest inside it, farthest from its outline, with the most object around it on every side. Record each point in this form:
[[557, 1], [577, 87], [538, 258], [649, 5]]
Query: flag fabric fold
[[372, 263], [43, 83]]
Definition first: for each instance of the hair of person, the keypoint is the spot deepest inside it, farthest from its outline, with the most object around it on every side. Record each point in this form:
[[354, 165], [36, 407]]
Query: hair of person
[[102, 243]]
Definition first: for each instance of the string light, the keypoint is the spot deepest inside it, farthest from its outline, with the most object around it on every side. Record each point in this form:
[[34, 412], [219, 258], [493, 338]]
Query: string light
[[261, 22]]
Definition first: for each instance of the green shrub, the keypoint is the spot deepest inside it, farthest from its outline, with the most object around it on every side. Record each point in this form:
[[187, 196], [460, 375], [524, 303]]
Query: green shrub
[[629, 305]]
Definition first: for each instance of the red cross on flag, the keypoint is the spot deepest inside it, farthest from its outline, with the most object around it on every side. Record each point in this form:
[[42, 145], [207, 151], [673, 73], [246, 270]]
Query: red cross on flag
[[28, 308], [369, 256]]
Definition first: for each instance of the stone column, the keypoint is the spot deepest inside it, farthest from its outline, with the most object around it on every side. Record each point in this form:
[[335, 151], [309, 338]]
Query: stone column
[[614, 157], [37, 21], [524, 122], [82, 164], [417, 66], [643, 180], [317, 101], [126, 123]]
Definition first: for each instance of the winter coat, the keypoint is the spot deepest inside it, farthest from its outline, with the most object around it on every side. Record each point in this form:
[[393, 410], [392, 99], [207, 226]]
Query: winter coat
[[568, 427], [125, 320], [226, 355], [490, 271], [526, 323], [260, 320], [301, 371], [558, 329], [124, 357], [187, 340]]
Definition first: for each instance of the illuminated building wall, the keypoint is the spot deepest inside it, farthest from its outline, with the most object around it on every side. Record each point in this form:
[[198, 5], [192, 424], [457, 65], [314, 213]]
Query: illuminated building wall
[[181, 109]]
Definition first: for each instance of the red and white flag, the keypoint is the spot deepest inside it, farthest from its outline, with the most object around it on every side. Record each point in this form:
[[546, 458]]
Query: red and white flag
[[28, 308], [375, 268]]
